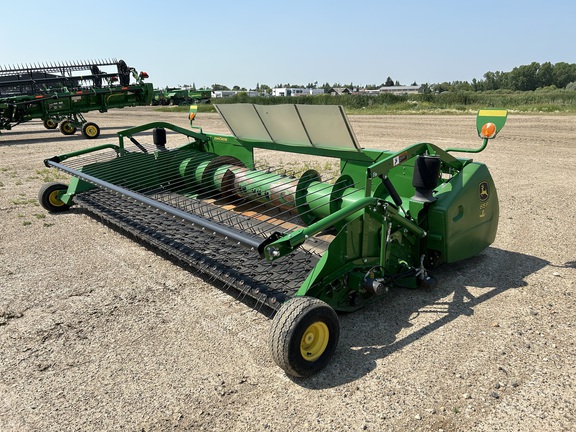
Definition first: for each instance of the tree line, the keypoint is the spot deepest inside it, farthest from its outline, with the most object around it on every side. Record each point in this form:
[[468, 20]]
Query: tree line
[[530, 77], [522, 78], [311, 85]]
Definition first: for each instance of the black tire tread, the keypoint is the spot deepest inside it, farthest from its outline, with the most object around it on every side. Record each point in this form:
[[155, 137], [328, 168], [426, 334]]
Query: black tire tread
[[44, 193], [64, 130], [50, 124], [282, 331], [87, 125]]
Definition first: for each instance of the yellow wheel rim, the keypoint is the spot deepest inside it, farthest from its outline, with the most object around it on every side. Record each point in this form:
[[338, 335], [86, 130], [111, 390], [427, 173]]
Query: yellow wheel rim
[[314, 341], [91, 131], [54, 200]]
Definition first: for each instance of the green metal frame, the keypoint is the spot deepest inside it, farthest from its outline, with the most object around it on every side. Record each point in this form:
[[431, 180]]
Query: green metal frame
[[180, 96], [378, 242], [70, 105]]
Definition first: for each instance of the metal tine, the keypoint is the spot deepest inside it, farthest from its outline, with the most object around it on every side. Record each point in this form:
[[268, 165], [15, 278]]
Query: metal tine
[[293, 218], [52, 66], [178, 180], [296, 217], [225, 216], [208, 188], [220, 214], [266, 206], [258, 175], [242, 292], [303, 246], [244, 199], [260, 302], [260, 205]]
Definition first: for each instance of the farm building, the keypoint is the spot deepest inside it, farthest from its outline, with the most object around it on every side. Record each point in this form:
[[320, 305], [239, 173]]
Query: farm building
[[339, 91], [399, 90], [285, 91]]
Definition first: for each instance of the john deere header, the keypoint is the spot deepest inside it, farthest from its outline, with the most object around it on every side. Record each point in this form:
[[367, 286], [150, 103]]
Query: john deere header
[[300, 246]]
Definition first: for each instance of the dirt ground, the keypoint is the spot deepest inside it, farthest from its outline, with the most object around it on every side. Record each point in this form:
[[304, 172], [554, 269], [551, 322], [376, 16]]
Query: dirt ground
[[98, 333]]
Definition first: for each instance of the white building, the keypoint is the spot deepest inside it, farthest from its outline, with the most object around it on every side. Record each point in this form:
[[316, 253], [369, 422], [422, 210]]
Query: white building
[[228, 93], [284, 91], [223, 93]]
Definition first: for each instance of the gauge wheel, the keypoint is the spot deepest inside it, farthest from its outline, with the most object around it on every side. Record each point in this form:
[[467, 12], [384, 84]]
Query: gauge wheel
[[50, 124], [49, 197], [67, 127], [304, 335], [90, 130]]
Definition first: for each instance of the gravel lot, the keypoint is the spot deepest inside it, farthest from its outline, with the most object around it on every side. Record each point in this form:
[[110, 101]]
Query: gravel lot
[[99, 333]]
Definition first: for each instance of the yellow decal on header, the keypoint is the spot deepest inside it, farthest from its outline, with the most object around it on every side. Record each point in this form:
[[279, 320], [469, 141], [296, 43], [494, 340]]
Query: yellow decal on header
[[492, 113]]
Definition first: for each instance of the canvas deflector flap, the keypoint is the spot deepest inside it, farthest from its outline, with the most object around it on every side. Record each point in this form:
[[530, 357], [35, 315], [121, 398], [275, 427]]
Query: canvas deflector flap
[[319, 126]]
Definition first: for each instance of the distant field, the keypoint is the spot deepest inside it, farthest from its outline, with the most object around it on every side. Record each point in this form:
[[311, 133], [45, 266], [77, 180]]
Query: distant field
[[551, 101]]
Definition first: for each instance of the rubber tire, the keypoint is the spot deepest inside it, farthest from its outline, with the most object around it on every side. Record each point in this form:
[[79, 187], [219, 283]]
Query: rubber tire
[[67, 128], [288, 328], [48, 199], [50, 124], [90, 130]]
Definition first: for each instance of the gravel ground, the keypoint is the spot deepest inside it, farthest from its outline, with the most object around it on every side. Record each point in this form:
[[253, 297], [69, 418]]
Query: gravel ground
[[99, 333]]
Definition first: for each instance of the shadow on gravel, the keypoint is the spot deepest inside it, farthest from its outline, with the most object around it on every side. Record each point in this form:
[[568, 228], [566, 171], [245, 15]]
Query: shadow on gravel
[[370, 334]]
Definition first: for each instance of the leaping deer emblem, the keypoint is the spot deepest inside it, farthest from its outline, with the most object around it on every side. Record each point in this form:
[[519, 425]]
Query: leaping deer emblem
[[484, 193]]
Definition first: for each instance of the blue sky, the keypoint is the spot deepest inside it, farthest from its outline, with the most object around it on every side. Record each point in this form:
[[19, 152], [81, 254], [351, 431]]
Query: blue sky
[[252, 41]]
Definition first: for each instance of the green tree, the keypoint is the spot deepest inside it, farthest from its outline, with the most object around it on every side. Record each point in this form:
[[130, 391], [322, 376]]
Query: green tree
[[545, 75], [265, 89], [564, 74], [490, 81], [523, 78], [475, 85], [460, 86], [442, 87], [426, 89], [389, 82]]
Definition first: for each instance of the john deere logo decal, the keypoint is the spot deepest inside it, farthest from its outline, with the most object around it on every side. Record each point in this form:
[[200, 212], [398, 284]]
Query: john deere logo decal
[[484, 191]]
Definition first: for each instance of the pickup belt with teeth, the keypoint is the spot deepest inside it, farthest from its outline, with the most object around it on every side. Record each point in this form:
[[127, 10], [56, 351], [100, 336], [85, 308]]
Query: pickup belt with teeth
[[211, 212], [267, 284], [215, 234]]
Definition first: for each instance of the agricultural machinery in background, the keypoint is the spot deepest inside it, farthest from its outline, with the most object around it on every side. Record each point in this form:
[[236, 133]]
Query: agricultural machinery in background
[[301, 247], [59, 93], [181, 96]]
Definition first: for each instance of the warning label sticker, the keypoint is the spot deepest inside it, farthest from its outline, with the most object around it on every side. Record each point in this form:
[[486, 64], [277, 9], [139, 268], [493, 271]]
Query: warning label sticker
[[399, 158]]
